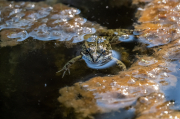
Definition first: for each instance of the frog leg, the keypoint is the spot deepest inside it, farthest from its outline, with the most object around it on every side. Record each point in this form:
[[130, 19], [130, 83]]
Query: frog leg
[[115, 39], [68, 64], [127, 31], [119, 63], [125, 34]]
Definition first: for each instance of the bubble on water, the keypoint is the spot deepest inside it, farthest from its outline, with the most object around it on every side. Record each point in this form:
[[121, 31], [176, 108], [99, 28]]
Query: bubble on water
[[147, 41], [66, 14], [0, 16], [56, 16], [30, 6], [68, 36], [76, 11], [80, 20], [113, 100], [55, 34], [15, 22], [33, 16], [10, 6], [21, 35], [126, 38], [15, 11], [78, 38], [40, 14], [24, 22], [87, 30], [40, 33], [10, 24], [91, 39], [177, 8], [62, 25], [135, 32], [22, 3], [44, 20], [147, 62], [44, 12]]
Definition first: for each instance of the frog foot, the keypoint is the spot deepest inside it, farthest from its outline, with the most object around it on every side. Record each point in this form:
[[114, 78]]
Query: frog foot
[[65, 69]]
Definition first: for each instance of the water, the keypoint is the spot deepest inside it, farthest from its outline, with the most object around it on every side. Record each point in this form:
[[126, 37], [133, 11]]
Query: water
[[29, 85]]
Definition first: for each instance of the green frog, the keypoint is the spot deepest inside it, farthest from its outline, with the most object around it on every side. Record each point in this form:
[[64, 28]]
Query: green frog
[[97, 47]]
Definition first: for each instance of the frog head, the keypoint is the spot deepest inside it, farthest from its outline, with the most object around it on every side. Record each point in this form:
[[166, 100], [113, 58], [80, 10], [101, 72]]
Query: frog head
[[96, 50]]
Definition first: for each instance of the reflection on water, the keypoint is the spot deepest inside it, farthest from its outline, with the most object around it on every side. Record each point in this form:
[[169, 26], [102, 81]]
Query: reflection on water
[[30, 86]]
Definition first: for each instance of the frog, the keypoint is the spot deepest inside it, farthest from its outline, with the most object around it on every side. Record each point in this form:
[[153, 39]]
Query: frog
[[97, 47]]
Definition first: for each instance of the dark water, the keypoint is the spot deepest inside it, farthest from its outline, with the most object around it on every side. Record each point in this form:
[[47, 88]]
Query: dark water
[[29, 84], [106, 12]]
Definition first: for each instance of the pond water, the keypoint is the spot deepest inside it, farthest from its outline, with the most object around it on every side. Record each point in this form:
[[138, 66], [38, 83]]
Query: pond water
[[31, 88]]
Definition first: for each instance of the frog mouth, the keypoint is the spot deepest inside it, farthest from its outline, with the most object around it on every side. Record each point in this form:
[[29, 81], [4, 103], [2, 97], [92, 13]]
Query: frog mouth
[[103, 62], [91, 58]]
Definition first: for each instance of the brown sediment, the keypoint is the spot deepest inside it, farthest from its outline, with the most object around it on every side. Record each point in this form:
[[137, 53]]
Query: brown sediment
[[80, 100], [44, 22], [6, 39], [145, 103], [154, 106], [144, 78], [59, 7], [170, 51], [160, 19]]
